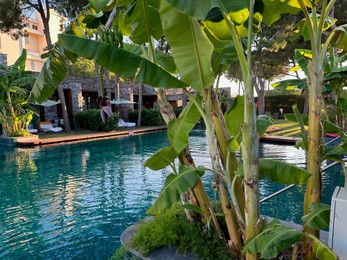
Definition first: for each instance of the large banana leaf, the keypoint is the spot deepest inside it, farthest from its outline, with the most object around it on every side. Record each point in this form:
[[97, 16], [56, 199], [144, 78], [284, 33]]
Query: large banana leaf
[[161, 158], [282, 172], [179, 129], [318, 217], [163, 60], [190, 46], [290, 84], [121, 62], [144, 21], [171, 193], [235, 116], [195, 8], [339, 149], [340, 37], [321, 251], [50, 76], [20, 62], [273, 240], [263, 122], [273, 9], [302, 29]]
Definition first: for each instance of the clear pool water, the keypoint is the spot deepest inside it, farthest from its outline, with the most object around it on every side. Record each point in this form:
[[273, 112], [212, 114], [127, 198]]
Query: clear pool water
[[74, 201]]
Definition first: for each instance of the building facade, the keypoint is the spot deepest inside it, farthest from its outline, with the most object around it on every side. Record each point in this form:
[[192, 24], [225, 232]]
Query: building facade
[[33, 40]]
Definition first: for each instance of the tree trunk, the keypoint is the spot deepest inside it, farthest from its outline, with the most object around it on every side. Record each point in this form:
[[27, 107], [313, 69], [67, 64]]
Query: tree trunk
[[45, 16], [97, 76], [65, 116], [313, 185], [139, 105]]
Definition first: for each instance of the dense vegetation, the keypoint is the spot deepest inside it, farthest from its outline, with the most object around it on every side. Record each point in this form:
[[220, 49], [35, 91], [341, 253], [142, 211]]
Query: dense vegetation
[[91, 120], [149, 117]]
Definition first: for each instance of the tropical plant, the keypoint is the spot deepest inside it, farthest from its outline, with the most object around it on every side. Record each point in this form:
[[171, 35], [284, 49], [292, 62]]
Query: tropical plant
[[15, 112], [204, 38]]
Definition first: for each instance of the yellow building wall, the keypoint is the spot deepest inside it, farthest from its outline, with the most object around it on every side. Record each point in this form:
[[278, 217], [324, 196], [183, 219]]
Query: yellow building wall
[[34, 41]]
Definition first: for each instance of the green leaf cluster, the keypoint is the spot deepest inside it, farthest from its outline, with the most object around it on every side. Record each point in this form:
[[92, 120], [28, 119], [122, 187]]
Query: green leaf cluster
[[172, 229]]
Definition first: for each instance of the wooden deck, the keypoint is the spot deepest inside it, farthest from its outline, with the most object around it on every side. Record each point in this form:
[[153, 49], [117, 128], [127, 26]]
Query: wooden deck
[[279, 139], [32, 142]]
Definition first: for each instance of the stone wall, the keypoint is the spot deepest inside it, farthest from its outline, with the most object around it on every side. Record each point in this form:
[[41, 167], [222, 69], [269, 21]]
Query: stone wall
[[127, 90], [3, 59]]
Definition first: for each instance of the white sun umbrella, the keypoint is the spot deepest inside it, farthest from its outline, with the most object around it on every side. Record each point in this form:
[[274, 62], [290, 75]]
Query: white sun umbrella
[[120, 101], [47, 103]]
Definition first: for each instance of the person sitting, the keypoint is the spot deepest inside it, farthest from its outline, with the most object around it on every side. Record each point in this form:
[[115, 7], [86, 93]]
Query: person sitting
[[106, 111]]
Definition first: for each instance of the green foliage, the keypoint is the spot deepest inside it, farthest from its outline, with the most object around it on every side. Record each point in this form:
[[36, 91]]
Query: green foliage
[[272, 240], [179, 129], [319, 216], [149, 117], [173, 229], [321, 251], [186, 179], [91, 120], [15, 83], [161, 158], [274, 103], [282, 172], [81, 68]]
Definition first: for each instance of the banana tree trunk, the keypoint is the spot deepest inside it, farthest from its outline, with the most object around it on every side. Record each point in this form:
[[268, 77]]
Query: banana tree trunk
[[185, 158], [235, 239], [249, 147], [313, 185]]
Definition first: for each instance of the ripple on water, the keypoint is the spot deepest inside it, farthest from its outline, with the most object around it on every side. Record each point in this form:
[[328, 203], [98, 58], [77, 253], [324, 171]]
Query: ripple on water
[[74, 201]]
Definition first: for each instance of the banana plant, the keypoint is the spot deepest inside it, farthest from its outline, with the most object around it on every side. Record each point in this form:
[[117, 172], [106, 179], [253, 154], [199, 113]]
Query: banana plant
[[15, 83], [204, 37], [315, 23]]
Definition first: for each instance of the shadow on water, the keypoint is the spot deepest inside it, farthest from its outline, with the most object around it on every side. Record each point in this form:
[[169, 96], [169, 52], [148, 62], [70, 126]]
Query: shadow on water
[[74, 201]]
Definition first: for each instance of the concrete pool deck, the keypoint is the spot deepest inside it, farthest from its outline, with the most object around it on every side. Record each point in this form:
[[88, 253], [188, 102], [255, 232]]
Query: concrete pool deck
[[37, 141]]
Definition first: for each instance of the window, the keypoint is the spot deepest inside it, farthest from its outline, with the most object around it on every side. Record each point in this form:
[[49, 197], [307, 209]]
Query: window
[[32, 65], [34, 27], [26, 39]]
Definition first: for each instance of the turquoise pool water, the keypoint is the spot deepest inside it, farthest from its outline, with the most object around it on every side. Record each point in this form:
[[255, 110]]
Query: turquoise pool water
[[74, 201]]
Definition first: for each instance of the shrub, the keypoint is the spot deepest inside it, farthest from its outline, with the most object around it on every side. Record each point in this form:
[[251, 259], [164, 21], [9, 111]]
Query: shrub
[[275, 102], [173, 229], [91, 120], [149, 117]]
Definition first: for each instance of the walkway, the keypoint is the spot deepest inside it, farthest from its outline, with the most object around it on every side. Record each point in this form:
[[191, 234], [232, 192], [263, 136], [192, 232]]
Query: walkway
[[34, 141]]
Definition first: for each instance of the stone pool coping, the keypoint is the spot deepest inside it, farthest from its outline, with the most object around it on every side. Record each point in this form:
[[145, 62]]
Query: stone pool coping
[[33, 141], [172, 254]]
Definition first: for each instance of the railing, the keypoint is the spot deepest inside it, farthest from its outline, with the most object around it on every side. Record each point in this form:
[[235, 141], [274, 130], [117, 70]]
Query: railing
[[292, 185]]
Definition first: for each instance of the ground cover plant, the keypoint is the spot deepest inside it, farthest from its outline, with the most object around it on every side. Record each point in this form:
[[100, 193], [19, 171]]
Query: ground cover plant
[[204, 38]]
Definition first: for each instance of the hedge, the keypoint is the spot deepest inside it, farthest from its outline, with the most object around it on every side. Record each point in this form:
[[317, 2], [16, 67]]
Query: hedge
[[149, 117], [274, 103], [91, 120]]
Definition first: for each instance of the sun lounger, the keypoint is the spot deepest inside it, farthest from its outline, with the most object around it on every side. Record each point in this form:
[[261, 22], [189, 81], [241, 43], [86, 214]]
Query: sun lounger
[[121, 123], [46, 127], [31, 130]]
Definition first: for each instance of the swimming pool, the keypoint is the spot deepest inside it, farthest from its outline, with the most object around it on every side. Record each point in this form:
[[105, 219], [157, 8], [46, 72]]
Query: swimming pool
[[74, 201]]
